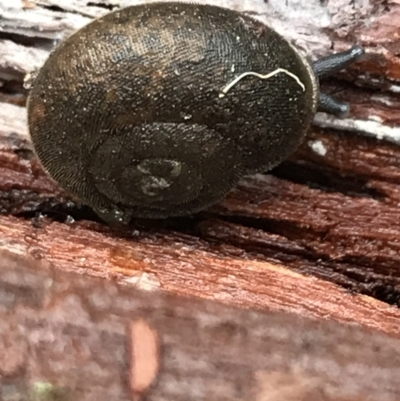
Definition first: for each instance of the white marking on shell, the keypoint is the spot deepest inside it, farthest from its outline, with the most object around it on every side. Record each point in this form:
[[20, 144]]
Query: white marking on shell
[[261, 76], [186, 116], [151, 185]]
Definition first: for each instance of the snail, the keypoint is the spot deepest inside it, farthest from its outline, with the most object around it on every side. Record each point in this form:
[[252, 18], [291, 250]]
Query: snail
[[157, 110]]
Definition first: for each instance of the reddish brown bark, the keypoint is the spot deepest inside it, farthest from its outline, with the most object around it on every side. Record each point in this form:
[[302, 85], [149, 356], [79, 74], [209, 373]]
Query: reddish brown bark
[[81, 338]]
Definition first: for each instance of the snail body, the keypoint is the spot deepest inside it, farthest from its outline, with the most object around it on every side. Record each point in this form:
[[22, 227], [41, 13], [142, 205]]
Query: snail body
[[157, 110]]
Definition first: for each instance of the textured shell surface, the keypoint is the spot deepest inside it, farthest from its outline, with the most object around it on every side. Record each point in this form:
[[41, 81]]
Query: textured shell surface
[[127, 113]]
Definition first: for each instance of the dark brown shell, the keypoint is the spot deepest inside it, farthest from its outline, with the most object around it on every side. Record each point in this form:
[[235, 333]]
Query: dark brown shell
[[128, 113]]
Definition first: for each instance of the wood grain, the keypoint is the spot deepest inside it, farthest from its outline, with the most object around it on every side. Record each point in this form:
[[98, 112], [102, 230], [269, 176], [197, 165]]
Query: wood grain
[[71, 337]]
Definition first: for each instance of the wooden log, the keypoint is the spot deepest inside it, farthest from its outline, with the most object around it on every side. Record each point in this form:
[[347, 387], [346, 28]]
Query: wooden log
[[68, 337]]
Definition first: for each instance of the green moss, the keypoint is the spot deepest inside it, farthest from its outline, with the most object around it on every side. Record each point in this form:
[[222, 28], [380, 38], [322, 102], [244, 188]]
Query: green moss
[[45, 391]]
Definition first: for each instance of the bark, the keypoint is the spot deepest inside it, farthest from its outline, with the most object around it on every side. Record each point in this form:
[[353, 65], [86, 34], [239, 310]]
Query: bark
[[69, 337], [319, 236]]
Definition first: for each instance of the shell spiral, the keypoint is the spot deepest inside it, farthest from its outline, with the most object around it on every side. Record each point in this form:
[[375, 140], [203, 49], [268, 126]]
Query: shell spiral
[[127, 114]]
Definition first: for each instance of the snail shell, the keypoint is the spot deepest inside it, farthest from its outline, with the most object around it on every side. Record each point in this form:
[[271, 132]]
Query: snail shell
[[151, 111]]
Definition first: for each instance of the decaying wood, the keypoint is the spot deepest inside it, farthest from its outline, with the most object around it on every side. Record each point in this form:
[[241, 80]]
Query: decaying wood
[[319, 236], [89, 339]]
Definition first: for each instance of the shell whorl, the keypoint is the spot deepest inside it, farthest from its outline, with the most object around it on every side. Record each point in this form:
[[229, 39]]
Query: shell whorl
[[163, 165]]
